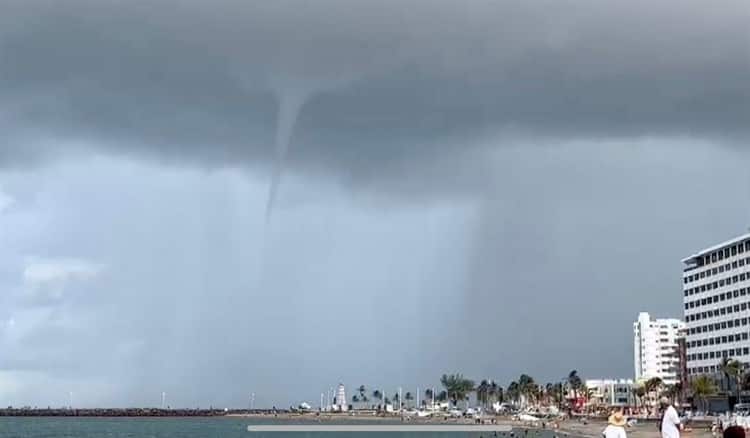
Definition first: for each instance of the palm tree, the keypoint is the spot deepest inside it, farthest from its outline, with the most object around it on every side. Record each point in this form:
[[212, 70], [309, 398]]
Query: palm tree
[[377, 395], [640, 392], [527, 386], [457, 386], [587, 394], [442, 396], [557, 394], [495, 391], [575, 382], [703, 387], [737, 373], [408, 397], [483, 391], [514, 391], [653, 384], [549, 391], [396, 401], [726, 367], [428, 395], [355, 400], [653, 387]]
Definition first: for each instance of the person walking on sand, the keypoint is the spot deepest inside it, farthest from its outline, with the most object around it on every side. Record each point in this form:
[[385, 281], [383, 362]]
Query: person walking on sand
[[615, 426], [670, 421]]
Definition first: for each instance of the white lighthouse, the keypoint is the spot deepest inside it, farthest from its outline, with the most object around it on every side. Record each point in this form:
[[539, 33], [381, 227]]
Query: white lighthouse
[[340, 404]]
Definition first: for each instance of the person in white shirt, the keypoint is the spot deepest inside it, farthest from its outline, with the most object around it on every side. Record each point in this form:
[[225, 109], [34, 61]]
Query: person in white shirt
[[670, 421], [616, 426]]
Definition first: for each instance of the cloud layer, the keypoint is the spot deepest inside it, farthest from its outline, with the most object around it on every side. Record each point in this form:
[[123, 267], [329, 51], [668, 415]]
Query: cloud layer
[[391, 86]]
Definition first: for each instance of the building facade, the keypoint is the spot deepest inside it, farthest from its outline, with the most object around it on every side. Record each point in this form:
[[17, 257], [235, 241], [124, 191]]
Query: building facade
[[656, 348], [611, 392], [716, 293]]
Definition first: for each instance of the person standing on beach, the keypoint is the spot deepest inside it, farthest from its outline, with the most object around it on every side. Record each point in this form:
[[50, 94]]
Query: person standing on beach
[[615, 426], [670, 421]]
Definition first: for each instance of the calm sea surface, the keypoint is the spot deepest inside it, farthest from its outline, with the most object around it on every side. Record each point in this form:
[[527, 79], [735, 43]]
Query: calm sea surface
[[183, 428]]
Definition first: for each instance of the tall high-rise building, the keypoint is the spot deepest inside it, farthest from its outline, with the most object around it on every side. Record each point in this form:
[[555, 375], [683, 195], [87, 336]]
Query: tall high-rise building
[[656, 348], [716, 290]]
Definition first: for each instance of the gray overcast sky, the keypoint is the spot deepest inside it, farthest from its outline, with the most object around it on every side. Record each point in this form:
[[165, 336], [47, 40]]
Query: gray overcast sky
[[484, 187]]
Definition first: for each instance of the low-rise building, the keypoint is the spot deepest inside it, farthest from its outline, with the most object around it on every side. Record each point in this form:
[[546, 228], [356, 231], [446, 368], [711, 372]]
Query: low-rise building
[[611, 392]]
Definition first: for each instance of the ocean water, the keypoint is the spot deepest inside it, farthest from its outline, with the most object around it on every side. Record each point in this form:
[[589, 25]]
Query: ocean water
[[235, 427]]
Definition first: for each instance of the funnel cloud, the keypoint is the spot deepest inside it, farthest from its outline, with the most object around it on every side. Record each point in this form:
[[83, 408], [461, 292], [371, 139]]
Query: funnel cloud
[[290, 104]]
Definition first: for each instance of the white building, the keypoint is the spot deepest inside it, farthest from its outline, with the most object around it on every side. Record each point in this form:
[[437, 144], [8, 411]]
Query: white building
[[611, 392], [655, 348], [340, 400], [716, 289]]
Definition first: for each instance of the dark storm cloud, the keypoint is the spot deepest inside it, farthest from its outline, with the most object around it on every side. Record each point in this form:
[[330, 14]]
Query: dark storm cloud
[[391, 82]]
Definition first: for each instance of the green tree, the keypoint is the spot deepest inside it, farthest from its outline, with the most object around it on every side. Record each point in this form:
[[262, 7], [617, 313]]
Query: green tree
[[640, 393], [735, 371], [703, 387], [514, 392], [728, 368], [653, 385], [494, 392], [549, 393], [483, 392], [408, 397], [575, 383], [528, 388], [457, 386], [377, 395], [428, 395]]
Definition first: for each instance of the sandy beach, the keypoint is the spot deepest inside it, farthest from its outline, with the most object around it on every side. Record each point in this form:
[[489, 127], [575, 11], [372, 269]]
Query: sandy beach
[[592, 428]]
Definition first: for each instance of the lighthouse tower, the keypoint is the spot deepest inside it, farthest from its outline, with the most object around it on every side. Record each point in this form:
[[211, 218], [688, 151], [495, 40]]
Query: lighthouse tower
[[340, 404]]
